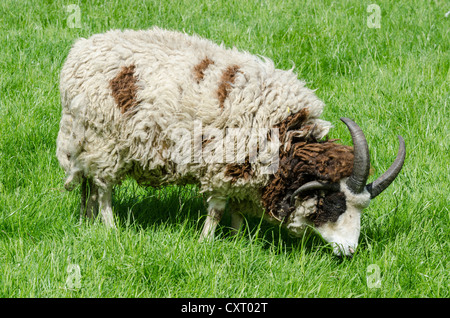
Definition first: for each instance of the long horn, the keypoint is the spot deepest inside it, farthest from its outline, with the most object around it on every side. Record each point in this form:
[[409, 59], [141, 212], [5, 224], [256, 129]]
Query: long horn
[[380, 184], [314, 185], [361, 163]]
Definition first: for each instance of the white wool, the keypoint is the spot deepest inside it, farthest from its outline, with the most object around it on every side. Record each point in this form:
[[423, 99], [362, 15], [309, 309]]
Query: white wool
[[97, 141], [298, 220]]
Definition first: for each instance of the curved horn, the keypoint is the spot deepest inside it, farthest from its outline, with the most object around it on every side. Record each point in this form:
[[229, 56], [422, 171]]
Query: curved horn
[[361, 164], [380, 184], [314, 185]]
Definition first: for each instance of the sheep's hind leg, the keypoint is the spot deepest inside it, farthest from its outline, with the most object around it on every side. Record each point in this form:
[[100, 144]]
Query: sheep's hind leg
[[105, 202], [216, 207], [83, 193]]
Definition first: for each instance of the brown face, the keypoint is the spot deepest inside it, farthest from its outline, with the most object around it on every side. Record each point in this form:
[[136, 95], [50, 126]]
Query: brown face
[[329, 208]]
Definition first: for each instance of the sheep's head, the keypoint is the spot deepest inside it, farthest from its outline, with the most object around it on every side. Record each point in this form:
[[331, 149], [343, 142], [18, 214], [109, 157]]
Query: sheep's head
[[334, 209]]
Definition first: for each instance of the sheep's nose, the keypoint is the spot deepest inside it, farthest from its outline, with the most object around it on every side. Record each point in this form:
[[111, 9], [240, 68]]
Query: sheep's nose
[[344, 251], [349, 254]]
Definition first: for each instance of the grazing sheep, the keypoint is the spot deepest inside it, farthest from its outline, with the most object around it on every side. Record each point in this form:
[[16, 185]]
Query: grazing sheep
[[167, 108]]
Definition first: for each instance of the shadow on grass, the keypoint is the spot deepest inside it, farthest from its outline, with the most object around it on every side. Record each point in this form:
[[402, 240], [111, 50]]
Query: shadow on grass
[[146, 207]]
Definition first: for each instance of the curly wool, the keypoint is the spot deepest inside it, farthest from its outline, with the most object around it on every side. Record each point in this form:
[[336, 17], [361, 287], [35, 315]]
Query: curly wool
[[171, 80]]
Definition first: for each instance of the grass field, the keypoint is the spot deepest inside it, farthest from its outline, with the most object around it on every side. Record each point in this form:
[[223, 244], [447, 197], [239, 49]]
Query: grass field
[[390, 73]]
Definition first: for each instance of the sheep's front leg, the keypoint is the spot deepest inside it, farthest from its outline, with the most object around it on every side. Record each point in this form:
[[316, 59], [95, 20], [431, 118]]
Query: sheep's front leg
[[216, 207], [235, 207], [89, 199], [236, 222], [105, 202]]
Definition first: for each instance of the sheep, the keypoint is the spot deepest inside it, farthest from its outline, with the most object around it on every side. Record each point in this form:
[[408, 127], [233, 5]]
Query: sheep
[[164, 107]]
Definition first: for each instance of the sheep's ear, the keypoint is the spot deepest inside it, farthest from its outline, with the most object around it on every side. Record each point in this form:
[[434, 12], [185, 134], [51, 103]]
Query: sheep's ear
[[315, 185]]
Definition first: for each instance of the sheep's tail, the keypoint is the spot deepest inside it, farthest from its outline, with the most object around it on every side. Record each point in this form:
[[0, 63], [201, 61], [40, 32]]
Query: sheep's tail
[[69, 144]]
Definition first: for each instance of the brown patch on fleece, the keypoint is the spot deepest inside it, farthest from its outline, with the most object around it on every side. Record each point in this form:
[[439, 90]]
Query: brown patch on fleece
[[303, 160], [199, 69], [227, 79], [239, 171], [293, 122], [124, 88]]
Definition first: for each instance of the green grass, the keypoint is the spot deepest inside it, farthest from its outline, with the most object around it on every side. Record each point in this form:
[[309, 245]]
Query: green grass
[[392, 80]]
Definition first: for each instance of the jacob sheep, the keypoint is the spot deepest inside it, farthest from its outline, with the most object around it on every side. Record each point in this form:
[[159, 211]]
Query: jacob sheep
[[164, 107]]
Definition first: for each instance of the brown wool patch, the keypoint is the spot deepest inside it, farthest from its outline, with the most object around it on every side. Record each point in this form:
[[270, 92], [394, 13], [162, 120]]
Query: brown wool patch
[[124, 88], [226, 81], [239, 171], [199, 69], [301, 161], [292, 122]]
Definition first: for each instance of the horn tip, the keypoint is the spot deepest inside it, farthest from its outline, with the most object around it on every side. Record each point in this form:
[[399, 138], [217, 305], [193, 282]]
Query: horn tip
[[347, 121], [402, 146]]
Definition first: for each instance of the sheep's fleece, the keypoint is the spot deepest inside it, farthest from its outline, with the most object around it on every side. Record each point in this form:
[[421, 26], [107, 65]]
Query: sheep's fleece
[[127, 95]]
